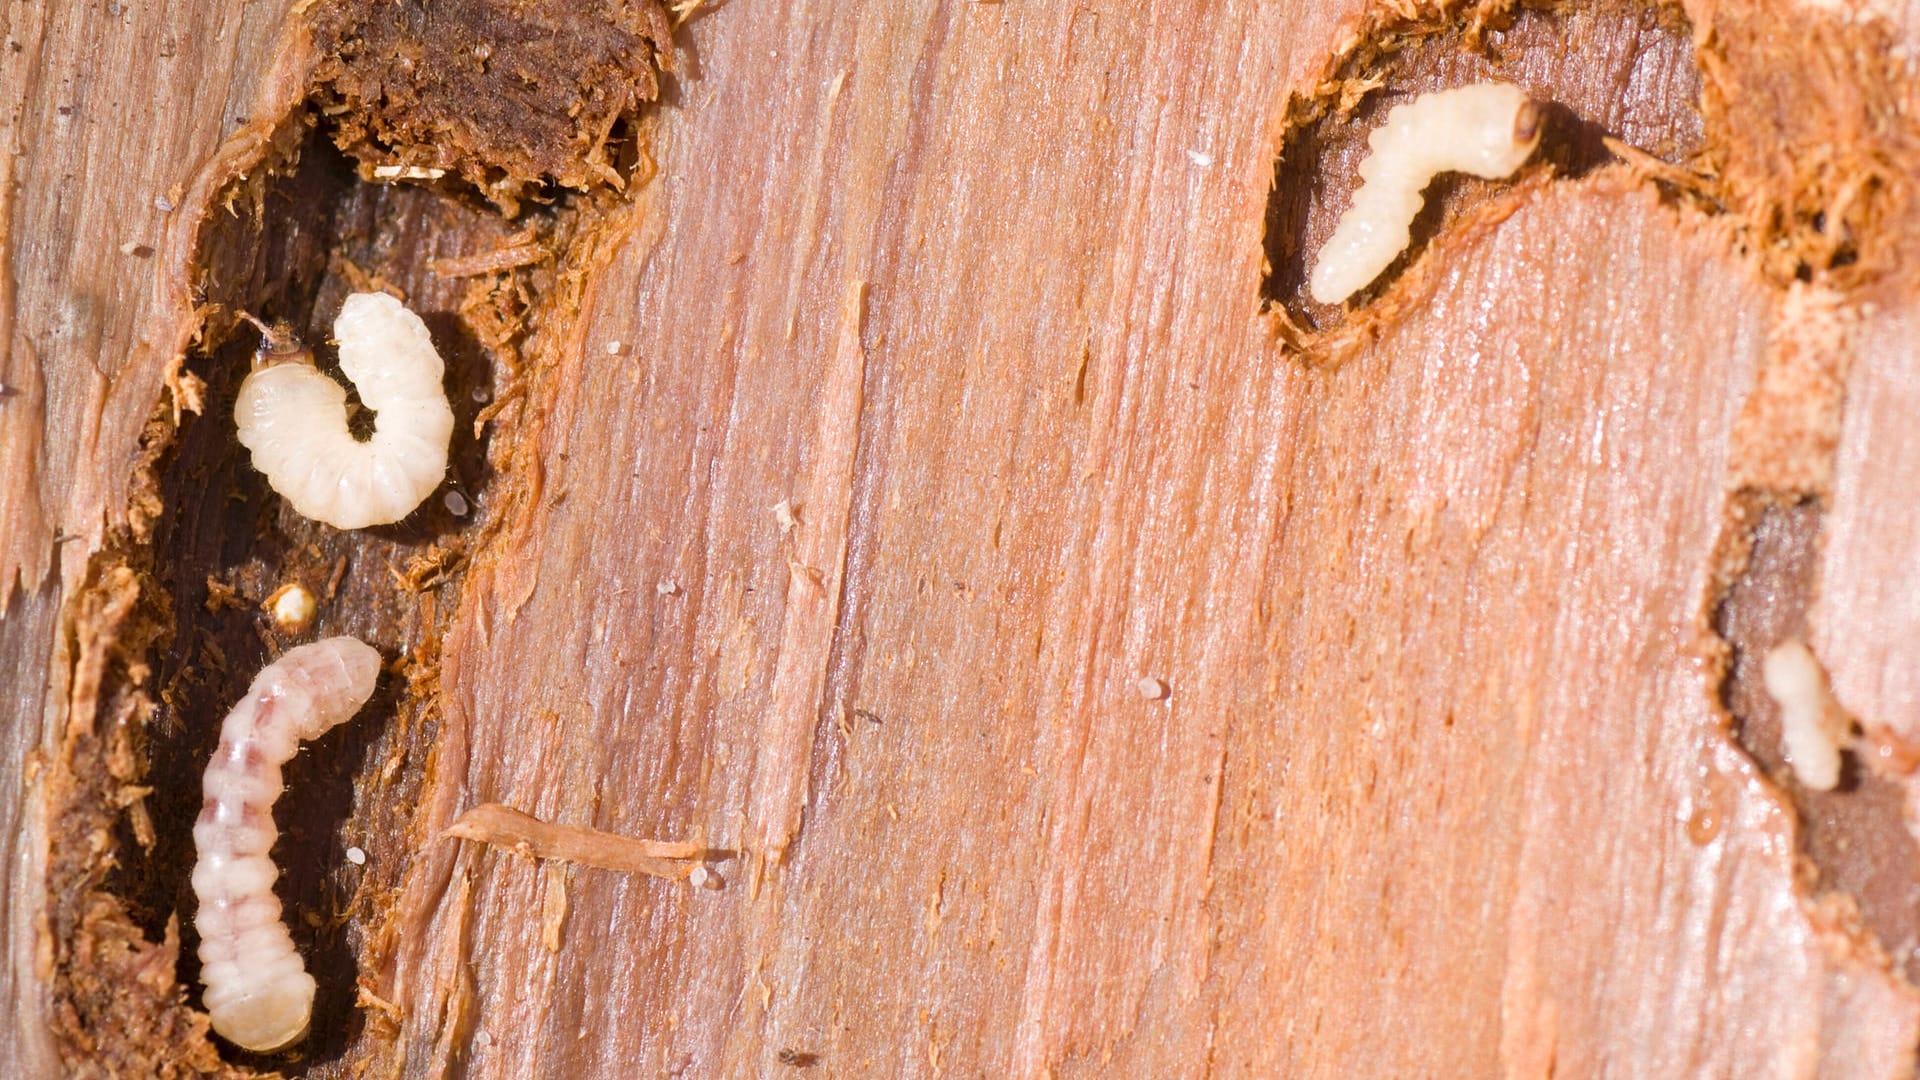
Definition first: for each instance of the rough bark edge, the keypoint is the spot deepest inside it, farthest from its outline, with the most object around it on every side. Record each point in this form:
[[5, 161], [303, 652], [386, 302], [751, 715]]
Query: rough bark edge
[[117, 1008], [1840, 218]]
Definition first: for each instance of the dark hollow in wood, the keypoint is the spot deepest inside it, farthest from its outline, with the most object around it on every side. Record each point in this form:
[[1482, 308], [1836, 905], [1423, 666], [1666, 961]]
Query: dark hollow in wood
[[226, 541], [513, 97], [1418, 804], [1616, 67], [1855, 834]]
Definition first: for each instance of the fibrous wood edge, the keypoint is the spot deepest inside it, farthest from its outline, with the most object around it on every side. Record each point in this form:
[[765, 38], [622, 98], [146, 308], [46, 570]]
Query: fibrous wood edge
[[126, 649], [548, 458]]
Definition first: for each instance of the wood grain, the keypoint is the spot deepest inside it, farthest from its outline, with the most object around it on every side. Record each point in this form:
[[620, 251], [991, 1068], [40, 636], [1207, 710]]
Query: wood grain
[[1442, 701], [1866, 610], [104, 109], [111, 109], [1442, 783], [23, 833]]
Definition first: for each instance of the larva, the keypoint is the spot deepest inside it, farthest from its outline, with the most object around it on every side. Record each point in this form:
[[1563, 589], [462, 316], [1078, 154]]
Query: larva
[[293, 418], [258, 992], [1813, 729], [1488, 130]]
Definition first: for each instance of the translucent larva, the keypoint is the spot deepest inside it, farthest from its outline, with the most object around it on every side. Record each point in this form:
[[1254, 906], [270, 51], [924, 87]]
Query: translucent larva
[[294, 418], [258, 992], [1488, 130]]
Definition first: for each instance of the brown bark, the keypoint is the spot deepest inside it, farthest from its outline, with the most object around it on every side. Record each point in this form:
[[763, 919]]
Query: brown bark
[[834, 491]]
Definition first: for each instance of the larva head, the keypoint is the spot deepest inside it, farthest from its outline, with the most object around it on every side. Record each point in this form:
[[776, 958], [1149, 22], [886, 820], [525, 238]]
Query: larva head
[[1500, 126], [278, 344]]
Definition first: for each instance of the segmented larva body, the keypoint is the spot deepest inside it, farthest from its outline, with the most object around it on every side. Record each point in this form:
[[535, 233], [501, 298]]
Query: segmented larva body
[[294, 418], [258, 992], [1488, 130], [1813, 728]]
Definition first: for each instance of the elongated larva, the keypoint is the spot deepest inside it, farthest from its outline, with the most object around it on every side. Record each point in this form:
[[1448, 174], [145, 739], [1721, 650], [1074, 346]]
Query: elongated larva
[[294, 418], [258, 992], [1813, 729], [1488, 130]]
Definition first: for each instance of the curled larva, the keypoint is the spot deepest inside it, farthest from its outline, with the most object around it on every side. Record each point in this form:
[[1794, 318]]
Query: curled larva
[[258, 992], [1813, 728], [294, 418], [1488, 130]]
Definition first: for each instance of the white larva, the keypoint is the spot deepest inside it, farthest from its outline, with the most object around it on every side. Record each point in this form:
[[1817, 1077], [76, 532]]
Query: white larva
[[258, 992], [1488, 130], [294, 418], [1813, 729]]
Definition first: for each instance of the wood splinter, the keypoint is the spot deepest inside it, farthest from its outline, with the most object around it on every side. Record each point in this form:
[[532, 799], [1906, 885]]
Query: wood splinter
[[503, 826], [510, 257]]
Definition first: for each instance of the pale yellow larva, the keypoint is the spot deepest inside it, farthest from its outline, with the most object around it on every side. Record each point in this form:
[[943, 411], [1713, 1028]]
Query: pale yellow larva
[[294, 418], [1487, 130], [1813, 728], [258, 992]]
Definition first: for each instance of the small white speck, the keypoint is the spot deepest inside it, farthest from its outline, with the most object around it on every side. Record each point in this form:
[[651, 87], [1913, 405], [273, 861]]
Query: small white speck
[[481, 395], [292, 607], [163, 204], [456, 503], [132, 247], [1200, 158], [701, 878], [787, 513], [1151, 688], [356, 856], [667, 588], [613, 348]]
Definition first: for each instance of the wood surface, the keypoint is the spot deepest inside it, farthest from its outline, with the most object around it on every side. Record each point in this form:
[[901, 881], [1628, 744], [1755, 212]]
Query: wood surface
[[108, 108], [907, 480]]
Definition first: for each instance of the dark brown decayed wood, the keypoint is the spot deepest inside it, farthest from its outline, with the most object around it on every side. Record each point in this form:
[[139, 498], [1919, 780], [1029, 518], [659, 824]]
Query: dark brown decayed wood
[[924, 409], [230, 544], [108, 109], [168, 627], [510, 98]]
